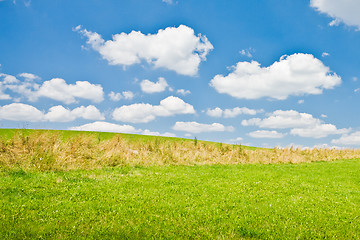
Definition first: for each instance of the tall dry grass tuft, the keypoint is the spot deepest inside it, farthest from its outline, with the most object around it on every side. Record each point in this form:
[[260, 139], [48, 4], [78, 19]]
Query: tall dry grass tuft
[[51, 151]]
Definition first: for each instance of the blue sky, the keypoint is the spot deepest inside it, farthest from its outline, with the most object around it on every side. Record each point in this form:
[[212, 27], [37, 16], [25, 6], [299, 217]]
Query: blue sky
[[262, 73]]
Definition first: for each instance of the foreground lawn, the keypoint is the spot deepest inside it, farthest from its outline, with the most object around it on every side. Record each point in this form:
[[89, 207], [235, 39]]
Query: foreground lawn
[[281, 201]]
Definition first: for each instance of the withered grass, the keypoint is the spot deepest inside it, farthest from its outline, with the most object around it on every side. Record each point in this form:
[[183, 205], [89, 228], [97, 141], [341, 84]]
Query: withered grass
[[49, 150]]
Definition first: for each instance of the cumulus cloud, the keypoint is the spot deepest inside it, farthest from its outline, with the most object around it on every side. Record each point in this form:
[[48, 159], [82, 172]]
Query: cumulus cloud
[[166, 134], [297, 74], [194, 127], [318, 131], [341, 11], [61, 114], [216, 112], [231, 113], [280, 119], [183, 92], [21, 112], [266, 134], [55, 88], [236, 140], [100, 126], [142, 112], [325, 54], [348, 139], [25, 112], [29, 76], [173, 48], [151, 87], [59, 90], [301, 124], [127, 95]]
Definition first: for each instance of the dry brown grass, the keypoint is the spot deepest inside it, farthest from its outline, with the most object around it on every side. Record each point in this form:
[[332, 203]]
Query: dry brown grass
[[49, 151]]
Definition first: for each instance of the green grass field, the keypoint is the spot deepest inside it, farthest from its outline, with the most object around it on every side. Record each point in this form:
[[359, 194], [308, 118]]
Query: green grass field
[[318, 200]]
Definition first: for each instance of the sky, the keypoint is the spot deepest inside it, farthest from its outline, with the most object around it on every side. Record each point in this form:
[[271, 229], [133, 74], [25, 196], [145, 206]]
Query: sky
[[263, 73]]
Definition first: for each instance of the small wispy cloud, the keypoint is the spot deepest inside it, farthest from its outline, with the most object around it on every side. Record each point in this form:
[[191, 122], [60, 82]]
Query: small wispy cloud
[[247, 52]]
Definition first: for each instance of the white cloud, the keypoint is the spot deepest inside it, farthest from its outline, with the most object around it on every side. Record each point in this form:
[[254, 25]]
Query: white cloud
[[194, 127], [55, 88], [301, 101], [324, 116], [142, 113], [4, 96], [29, 76], [280, 119], [354, 79], [166, 134], [151, 87], [297, 74], [183, 92], [177, 49], [342, 11], [246, 52], [231, 113], [325, 54], [20, 112], [301, 124], [128, 95], [168, 1], [90, 112], [216, 112], [266, 134], [318, 131], [348, 139], [106, 127], [8, 79], [356, 90], [60, 114], [236, 140], [59, 90], [25, 112]]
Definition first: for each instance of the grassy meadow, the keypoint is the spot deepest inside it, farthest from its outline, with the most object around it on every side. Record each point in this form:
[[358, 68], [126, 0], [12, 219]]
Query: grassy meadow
[[87, 185]]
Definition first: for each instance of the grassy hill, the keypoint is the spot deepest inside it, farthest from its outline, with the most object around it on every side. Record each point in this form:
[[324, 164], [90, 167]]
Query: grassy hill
[[89, 185]]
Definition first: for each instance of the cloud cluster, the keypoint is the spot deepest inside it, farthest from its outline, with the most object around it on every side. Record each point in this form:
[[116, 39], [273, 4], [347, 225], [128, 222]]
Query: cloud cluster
[[127, 95], [194, 127], [28, 113], [266, 134], [341, 11], [56, 89], [21, 112], [106, 127], [101, 126], [143, 112], [231, 113], [348, 139], [301, 124], [61, 114], [173, 48], [151, 87], [297, 74], [183, 92], [59, 90]]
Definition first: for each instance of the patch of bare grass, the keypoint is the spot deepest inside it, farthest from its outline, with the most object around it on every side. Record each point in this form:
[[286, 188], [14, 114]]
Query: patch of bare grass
[[49, 150]]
